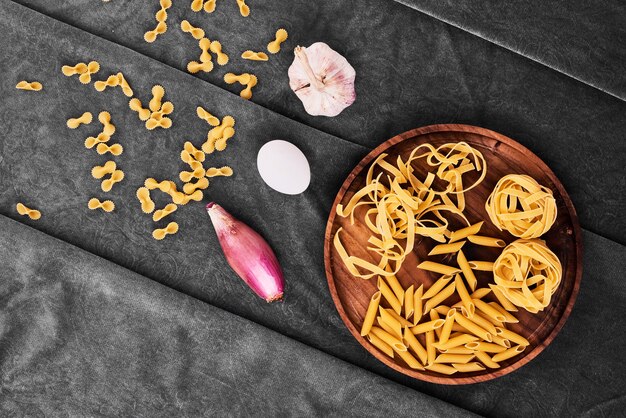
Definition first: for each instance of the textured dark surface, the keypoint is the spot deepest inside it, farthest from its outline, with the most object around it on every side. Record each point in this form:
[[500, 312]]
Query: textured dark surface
[[412, 70], [420, 71], [82, 336], [581, 38]]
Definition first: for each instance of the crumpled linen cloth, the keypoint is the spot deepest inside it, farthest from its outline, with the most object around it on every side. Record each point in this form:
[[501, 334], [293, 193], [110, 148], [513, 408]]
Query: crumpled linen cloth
[[450, 76]]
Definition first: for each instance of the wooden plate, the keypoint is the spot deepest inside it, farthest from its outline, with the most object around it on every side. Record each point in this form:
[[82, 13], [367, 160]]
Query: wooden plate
[[504, 156]]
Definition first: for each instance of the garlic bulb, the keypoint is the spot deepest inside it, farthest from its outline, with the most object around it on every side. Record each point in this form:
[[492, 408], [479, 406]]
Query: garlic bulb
[[322, 79]]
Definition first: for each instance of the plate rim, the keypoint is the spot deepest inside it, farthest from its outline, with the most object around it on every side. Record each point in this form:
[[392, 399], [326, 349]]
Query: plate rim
[[463, 128]]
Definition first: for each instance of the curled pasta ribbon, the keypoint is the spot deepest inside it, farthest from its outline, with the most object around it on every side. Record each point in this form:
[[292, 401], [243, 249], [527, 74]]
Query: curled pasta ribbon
[[151, 35], [170, 229], [195, 67], [205, 45], [107, 205], [157, 95], [91, 141], [274, 46], [521, 206], [104, 118], [206, 116], [162, 213], [115, 149], [111, 81], [128, 91], [135, 106], [186, 176], [254, 56], [100, 171], [32, 86], [247, 92], [195, 153], [186, 27], [216, 48], [223, 171], [92, 68], [201, 184], [116, 177], [527, 273], [163, 122], [80, 68], [84, 119], [31, 213], [209, 6], [243, 8], [143, 195], [231, 78]]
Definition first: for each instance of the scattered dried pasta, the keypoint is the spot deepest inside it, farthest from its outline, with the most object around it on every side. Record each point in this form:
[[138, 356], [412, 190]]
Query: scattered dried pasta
[[116, 177], [157, 95], [209, 6], [207, 117], [84, 71], [201, 184], [243, 8], [161, 17], [274, 46], [91, 141], [171, 228], [186, 27], [223, 171], [254, 56], [219, 133], [32, 86], [31, 213], [111, 81], [231, 78], [196, 5], [100, 171], [247, 92], [521, 206], [107, 205], [104, 118], [115, 149], [162, 213], [136, 106], [84, 119], [128, 91], [216, 48], [205, 45], [80, 68], [143, 195], [163, 122], [195, 67]]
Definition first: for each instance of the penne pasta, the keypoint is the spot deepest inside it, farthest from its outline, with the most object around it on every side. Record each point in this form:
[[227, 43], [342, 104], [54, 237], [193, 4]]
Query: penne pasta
[[507, 316], [456, 341], [386, 327], [480, 293], [501, 341], [465, 232], [483, 323], [395, 285], [457, 350], [446, 248], [441, 368], [402, 321], [385, 336], [427, 326], [493, 321], [504, 302], [485, 347], [434, 316], [437, 268], [467, 270], [391, 322], [431, 351], [454, 358], [486, 360], [446, 329], [389, 296], [408, 302], [511, 336], [481, 265], [380, 344], [409, 359], [415, 345], [417, 304], [461, 290], [486, 241], [437, 287], [442, 309], [472, 327], [468, 367], [370, 315], [489, 310], [439, 298], [511, 352]]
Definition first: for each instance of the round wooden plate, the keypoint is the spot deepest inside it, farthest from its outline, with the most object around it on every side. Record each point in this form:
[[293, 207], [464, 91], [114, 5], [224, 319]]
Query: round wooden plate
[[504, 156]]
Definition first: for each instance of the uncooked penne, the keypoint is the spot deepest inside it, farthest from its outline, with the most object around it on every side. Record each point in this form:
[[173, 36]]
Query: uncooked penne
[[427, 326], [392, 322], [400, 319], [408, 302], [389, 296], [472, 327], [415, 345], [481, 265], [485, 347], [480, 293], [465, 232], [439, 298], [489, 310], [468, 367], [409, 359], [446, 329], [486, 241], [389, 329], [437, 287], [467, 270], [431, 350], [370, 315], [456, 341], [461, 290], [512, 336], [395, 285], [504, 302], [441, 368], [380, 344], [486, 360], [437, 268], [511, 352], [446, 248], [385, 336], [454, 358], [417, 304], [483, 323], [507, 316]]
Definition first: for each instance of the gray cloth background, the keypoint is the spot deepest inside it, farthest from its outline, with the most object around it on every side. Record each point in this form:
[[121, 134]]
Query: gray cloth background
[[411, 70]]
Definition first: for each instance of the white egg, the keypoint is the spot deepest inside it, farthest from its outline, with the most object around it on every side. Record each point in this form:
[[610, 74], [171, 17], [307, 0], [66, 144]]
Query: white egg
[[283, 167]]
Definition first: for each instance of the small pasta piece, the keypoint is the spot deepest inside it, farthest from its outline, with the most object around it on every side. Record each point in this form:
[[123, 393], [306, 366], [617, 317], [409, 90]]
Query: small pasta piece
[[201, 184], [196, 5], [385, 336], [431, 351], [391, 330], [489, 310], [151, 35], [427, 326], [193, 67], [408, 302], [437, 286], [111, 81], [220, 143], [115, 149], [408, 358], [466, 299], [485, 347], [186, 176], [244, 10], [446, 329], [438, 268], [209, 6], [390, 321], [512, 336], [31, 86], [91, 141], [84, 119], [216, 48], [441, 368], [468, 367], [165, 186], [128, 91], [26, 211], [486, 360], [472, 327], [107, 205], [417, 304], [274, 46], [205, 45], [170, 229], [380, 344], [456, 341], [446, 248], [412, 343], [186, 27], [80, 68], [247, 92], [162, 213], [254, 56], [143, 195], [506, 304], [100, 171], [483, 323], [467, 270], [454, 358], [163, 122], [195, 153], [183, 199], [501, 341], [92, 68], [507, 316], [136, 106], [399, 318], [389, 296], [157, 96], [507, 354], [439, 298], [480, 293], [397, 288], [481, 265], [231, 78], [116, 177], [370, 315], [465, 232], [105, 119], [458, 350], [434, 316], [486, 241], [207, 117]]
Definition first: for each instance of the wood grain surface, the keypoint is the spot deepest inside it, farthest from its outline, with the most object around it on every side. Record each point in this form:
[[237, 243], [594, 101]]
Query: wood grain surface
[[504, 156]]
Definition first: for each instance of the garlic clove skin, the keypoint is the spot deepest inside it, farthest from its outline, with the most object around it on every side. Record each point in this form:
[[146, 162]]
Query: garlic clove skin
[[248, 254], [322, 79]]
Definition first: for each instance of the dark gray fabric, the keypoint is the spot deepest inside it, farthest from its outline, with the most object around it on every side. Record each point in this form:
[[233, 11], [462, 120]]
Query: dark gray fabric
[[45, 164], [81, 336], [412, 70], [581, 38]]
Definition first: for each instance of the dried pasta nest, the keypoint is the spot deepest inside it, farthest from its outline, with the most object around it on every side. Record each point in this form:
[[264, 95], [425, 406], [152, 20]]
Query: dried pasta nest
[[527, 273], [521, 206]]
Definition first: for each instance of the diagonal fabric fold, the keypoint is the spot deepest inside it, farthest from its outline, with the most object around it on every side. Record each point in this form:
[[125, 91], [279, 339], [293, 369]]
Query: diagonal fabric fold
[[81, 336]]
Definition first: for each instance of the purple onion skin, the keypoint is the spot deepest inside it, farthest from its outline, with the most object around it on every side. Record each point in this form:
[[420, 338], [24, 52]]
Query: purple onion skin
[[248, 254]]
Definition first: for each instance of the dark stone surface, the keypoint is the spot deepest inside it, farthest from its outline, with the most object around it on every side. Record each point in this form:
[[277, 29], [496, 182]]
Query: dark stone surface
[[574, 128]]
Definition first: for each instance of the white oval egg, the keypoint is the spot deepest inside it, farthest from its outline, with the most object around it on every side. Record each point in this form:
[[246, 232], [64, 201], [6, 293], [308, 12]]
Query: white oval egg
[[283, 167]]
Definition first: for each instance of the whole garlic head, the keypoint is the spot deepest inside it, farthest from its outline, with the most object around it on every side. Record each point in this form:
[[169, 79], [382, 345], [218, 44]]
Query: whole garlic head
[[322, 79]]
